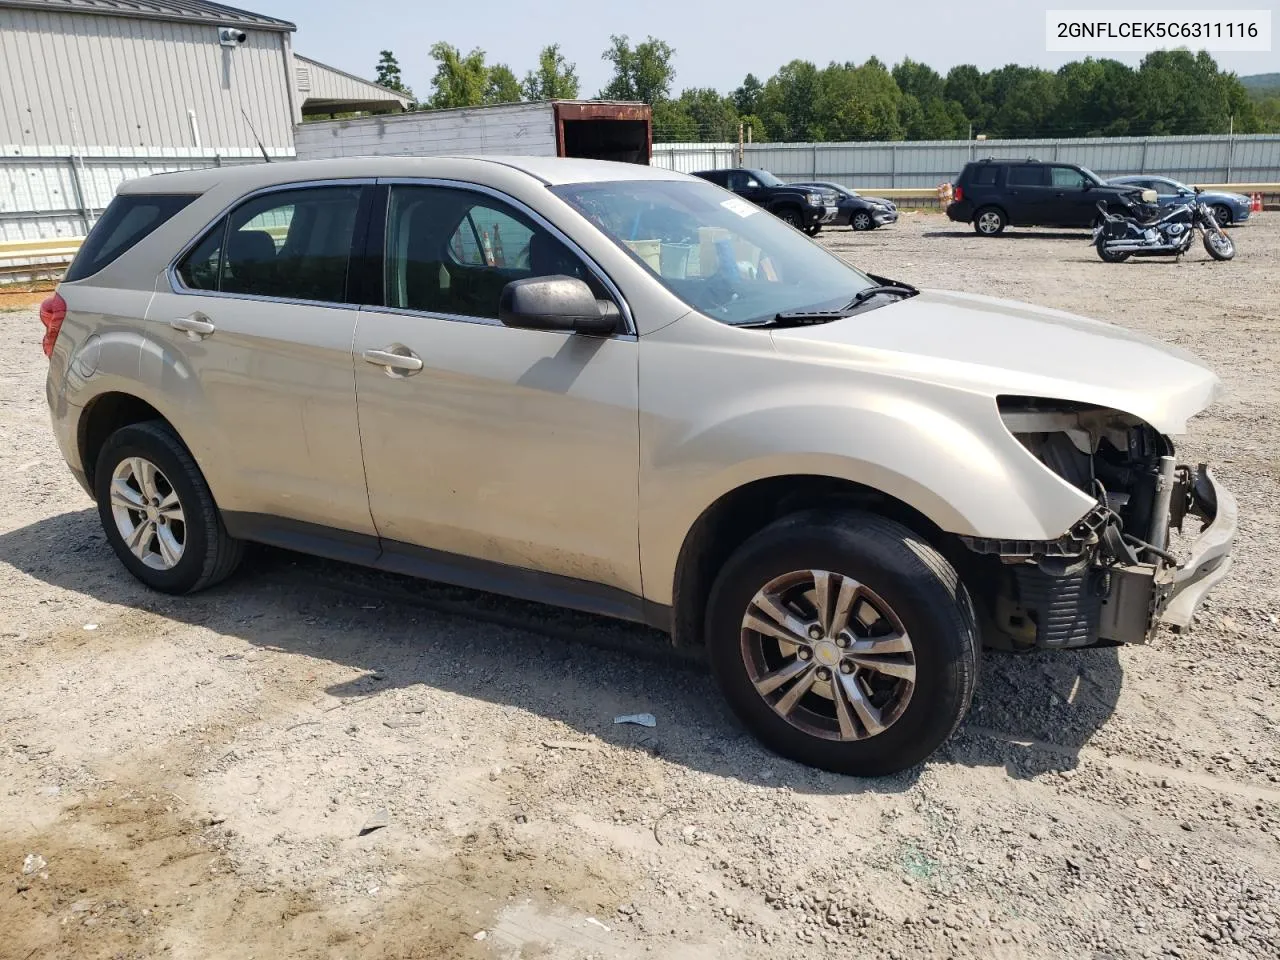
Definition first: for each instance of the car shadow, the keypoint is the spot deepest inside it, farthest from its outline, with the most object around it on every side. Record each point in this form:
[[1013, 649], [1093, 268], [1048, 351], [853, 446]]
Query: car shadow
[[1014, 235], [1031, 713]]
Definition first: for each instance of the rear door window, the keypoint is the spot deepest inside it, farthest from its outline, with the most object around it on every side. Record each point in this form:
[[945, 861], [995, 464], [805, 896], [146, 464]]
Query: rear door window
[[1026, 176], [288, 244], [128, 219], [985, 176]]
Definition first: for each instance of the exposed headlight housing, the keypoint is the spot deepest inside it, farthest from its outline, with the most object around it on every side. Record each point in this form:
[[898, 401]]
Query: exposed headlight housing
[[814, 199]]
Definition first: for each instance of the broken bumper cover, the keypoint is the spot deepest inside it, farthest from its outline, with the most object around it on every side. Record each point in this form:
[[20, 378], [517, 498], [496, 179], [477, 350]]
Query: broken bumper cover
[[1210, 557]]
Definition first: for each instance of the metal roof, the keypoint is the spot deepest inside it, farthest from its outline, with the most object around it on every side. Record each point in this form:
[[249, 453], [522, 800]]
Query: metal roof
[[182, 11]]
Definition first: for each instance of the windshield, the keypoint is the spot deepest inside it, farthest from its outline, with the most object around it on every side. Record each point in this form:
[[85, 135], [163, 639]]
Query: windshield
[[766, 178], [720, 254], [1091, 175]]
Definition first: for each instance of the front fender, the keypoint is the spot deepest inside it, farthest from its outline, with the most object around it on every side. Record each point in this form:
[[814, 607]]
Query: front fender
[[943, 451]]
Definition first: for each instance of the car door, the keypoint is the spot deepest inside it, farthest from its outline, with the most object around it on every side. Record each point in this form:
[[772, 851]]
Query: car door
[[1027, 192], [1167, 192], [256, 314], [745, 185], [513, 448], [1072, 201]]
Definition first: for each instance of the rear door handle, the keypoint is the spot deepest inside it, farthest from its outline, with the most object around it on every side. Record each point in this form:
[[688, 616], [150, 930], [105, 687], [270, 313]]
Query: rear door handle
[[193, 327], [407, 362]]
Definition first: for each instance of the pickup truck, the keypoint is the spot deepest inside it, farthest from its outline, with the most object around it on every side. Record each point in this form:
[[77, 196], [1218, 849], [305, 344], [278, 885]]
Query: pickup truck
[[808, 208]]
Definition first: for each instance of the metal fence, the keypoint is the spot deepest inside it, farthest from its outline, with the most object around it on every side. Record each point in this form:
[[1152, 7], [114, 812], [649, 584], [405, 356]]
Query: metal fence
[[1209, 159], [45, 197]]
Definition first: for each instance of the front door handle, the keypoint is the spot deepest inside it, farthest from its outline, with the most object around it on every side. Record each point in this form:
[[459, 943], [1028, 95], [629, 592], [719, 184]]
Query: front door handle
[[407, 362], [193, 327]]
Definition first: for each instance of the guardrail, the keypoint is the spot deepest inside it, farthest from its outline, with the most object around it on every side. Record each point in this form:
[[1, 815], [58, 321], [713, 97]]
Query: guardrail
[[924, 197], [26, 261]]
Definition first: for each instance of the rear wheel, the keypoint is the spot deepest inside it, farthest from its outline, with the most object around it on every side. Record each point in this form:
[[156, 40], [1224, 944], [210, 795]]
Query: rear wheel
[[989, 221], [1109, 256], [862, 221], [158, 513], [843, 641]]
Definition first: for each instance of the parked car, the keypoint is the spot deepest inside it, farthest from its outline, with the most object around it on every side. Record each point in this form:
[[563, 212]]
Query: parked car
[[993, 194], [855, 210], [504, 375], [1227, 208], [805, 208]]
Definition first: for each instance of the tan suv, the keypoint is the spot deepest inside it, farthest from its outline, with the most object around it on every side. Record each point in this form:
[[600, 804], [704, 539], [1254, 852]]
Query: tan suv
[[625, 390]]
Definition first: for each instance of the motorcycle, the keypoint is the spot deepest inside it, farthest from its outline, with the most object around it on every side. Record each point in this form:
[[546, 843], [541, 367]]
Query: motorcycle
[[1147, 233]]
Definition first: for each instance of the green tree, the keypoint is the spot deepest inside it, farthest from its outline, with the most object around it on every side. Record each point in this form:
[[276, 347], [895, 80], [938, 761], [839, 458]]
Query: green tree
[[918, 80], [747, 97], [714, 116], [642, 73], [787, 102], [389, 73], [967, 86], [555, 78], [502, 85], [672, 123], [858, 103], [459, 81]]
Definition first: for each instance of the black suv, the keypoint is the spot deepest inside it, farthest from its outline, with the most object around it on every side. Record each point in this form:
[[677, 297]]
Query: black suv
[[805, 207], [993, 194]]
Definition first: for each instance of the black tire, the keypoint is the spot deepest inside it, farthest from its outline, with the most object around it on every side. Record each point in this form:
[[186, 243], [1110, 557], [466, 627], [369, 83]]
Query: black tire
[[209, 554], [989, 222], [906, 573], [1224, 252], [1108, 256], [813, 229], [862, 221], [790, 215], [1222, 213]]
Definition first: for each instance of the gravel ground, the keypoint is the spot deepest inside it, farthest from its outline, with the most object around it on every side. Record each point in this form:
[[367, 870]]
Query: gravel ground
[[209, 777]]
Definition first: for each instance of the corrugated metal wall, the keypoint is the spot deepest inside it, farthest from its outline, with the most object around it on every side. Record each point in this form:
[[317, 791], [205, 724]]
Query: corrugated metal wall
[[106, 85], [1209, 159], [521, 128], [46, 197]]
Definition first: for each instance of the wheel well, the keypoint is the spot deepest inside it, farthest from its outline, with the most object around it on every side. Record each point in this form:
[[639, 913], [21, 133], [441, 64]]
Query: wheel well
[[735, 517], [784, 205], [992, 206], [104, 416]]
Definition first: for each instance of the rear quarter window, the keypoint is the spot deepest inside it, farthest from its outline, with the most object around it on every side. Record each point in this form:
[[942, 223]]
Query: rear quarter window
[[128, 219], [985, 176]]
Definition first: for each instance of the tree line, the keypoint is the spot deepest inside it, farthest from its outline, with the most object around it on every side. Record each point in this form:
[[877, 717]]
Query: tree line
[[1172, 92]]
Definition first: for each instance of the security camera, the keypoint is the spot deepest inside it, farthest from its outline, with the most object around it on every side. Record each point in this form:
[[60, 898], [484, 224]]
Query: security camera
[[231, 37]]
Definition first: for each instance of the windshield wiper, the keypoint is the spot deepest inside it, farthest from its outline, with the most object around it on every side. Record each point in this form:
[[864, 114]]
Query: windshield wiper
[[893, 289], [804, 318]]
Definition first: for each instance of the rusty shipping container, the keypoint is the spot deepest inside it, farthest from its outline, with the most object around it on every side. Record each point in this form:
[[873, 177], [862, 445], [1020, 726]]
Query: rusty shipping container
[[592, 129]]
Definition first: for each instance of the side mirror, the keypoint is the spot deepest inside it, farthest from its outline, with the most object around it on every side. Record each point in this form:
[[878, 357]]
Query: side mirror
[[1088, 185], [556, 303]]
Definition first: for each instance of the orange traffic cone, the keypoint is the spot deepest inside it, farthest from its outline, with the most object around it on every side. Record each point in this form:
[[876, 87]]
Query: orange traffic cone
[[1255, 203]]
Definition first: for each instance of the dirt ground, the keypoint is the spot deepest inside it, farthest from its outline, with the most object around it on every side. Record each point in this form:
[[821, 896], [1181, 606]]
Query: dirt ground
[[205, 778]]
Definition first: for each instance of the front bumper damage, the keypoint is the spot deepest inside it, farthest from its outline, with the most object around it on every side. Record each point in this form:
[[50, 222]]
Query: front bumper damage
[[1092, 586]]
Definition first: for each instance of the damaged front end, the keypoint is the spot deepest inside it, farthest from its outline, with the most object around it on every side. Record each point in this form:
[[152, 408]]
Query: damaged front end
[[1111, 578]]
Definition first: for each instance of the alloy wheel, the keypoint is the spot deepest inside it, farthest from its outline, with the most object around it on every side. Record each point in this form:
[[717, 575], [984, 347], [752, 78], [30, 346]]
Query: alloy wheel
[[989, 222], [148, 513], [828, 655]]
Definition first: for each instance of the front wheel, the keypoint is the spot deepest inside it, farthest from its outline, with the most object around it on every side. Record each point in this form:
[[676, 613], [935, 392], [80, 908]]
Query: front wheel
[[1218, 245], [862, 221], [813, 229], [791, 216], [158, 513], [843, 641]]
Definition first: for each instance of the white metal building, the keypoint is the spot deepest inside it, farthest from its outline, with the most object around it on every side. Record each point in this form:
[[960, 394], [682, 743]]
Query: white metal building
[[95, 91]]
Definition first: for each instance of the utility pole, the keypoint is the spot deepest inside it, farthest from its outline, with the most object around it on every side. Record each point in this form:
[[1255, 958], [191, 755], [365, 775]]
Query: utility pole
[[742, 150]]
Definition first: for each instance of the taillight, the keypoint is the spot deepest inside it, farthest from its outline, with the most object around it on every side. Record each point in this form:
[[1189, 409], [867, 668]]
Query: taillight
[[52, 312], [959, 193]]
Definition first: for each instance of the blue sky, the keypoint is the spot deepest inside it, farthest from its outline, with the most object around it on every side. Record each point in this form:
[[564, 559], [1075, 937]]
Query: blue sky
[[717, 43]]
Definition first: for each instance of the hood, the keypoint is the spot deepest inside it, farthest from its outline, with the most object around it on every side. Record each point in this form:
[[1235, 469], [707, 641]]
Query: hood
[[880, 200], [992, 346]]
